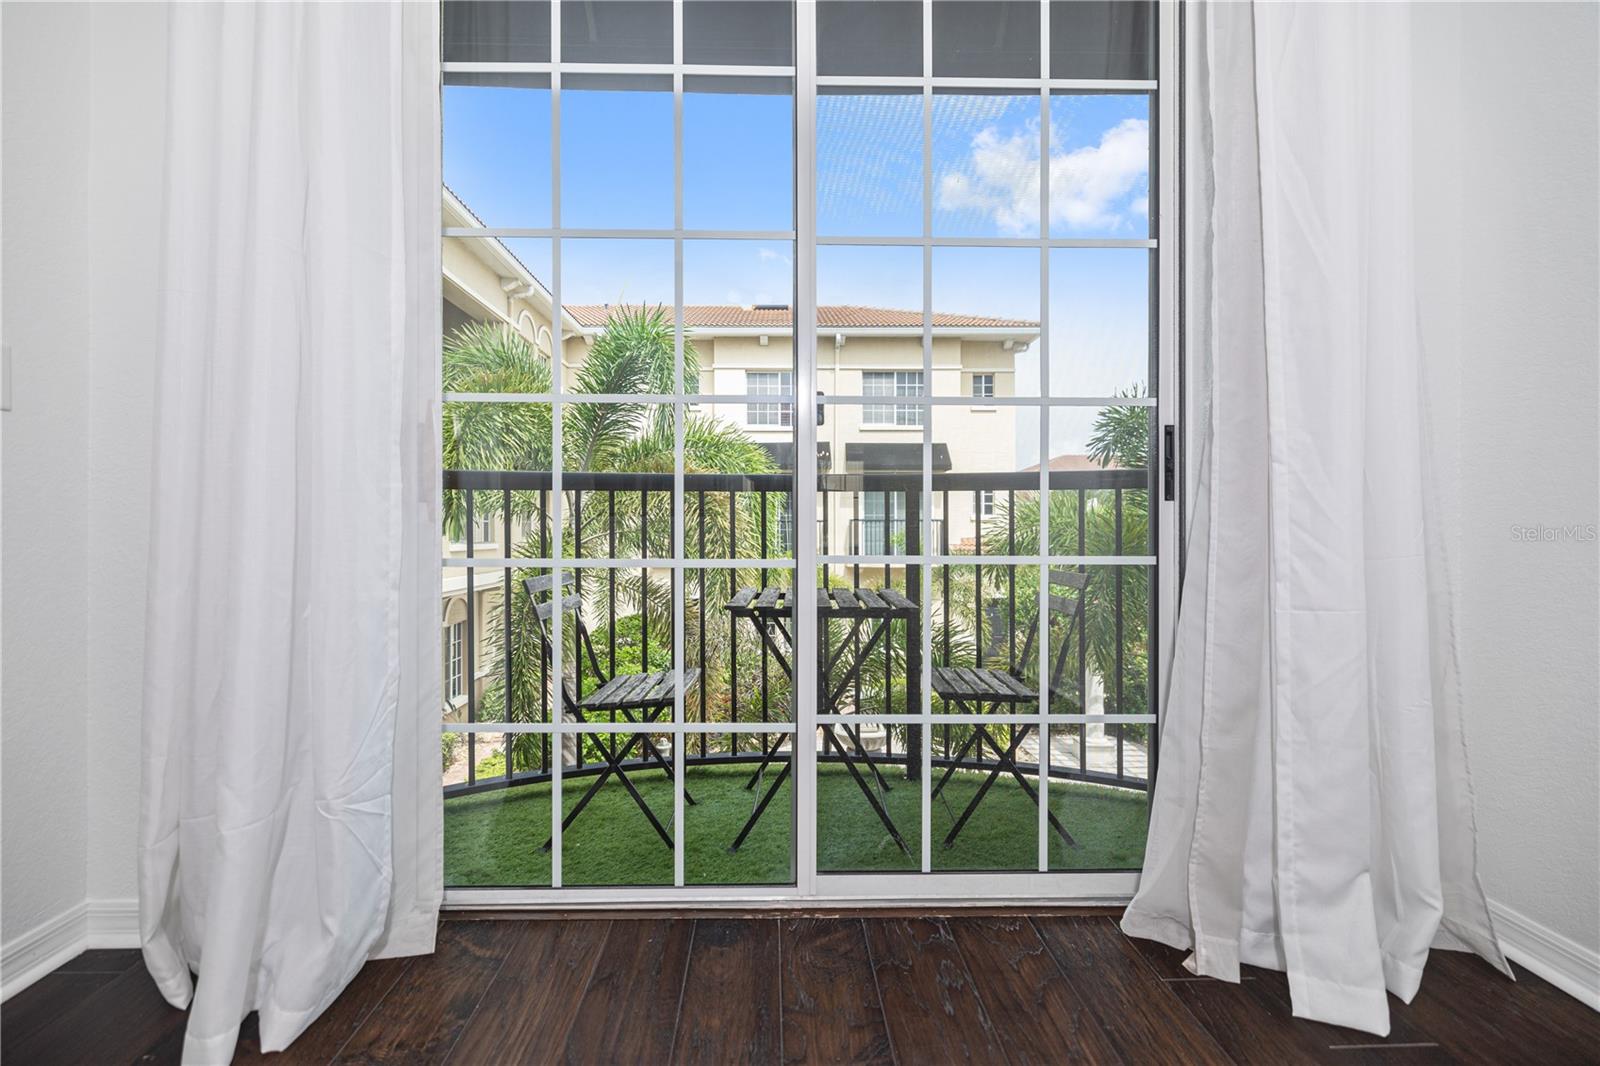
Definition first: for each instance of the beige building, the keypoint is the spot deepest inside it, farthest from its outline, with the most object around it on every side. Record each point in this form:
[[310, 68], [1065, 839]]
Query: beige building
[[869, 357]]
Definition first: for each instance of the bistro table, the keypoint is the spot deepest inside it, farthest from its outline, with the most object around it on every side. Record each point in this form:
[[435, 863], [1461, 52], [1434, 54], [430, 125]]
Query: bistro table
[[870, 613]]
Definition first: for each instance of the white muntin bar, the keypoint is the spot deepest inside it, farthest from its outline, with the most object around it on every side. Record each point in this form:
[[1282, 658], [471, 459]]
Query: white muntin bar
[[622, 234], [1042, 616], [678, 745], [926, 516], [805, 496], [559, 704]]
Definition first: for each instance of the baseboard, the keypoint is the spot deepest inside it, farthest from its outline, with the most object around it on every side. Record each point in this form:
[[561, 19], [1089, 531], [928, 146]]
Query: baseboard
[[1560, 960], [113, 923], [98, 923], [26, 958]]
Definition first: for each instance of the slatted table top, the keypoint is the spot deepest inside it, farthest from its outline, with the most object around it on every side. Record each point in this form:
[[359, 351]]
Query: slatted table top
[[835, 602]]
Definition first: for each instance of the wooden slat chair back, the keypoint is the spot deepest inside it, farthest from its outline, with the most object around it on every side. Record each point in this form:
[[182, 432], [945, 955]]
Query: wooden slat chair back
[[990, 685], [623, 691]]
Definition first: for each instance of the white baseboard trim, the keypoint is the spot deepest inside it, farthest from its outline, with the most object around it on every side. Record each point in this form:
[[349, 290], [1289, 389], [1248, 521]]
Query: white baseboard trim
[[1560, 960], [26, 958], [113, 923], [97, 923]]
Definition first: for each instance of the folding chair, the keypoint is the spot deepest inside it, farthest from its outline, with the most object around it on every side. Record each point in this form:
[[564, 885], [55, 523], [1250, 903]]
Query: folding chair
[[970, 688], [637, 697]]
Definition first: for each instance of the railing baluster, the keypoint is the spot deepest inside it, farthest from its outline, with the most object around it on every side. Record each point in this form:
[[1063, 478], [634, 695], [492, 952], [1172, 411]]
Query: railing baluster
[[700, 521], [505, 617], [764, 700], [544, 675], [733, 623], [470, 680]]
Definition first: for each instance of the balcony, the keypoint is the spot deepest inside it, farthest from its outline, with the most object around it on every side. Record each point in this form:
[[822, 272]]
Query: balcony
[[978, 614]]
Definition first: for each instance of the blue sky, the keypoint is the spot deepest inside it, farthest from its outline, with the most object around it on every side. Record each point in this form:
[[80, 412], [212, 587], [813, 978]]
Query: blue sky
[[617, 172]]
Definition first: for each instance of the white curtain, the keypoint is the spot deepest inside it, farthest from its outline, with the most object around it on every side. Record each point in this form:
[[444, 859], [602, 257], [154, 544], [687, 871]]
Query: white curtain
[[290, 823], [1313, 812]]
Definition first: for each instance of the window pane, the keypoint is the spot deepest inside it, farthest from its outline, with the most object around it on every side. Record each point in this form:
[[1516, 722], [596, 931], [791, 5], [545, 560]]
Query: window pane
[[1101, 618], [618, 480], [985, 39], [1103, 39], [1100, 340], [740, 32], [750, 121], [878, 37], [599, 189], [492, 832], [741, 797], [869, 312], [1107, 822], [1100, 480], [986, 164], [737, 318], [496, 31], [978, 450], [986, 319], [619, 295], [1099, 165], [497, 149], [496, 315], [616, 31], [869, 163]]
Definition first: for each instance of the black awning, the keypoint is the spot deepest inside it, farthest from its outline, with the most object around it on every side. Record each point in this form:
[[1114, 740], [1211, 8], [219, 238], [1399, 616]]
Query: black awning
[[887, 458], [782, 453]]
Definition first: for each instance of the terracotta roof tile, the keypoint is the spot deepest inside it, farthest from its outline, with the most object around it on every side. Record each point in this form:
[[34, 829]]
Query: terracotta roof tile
[[829, 316]]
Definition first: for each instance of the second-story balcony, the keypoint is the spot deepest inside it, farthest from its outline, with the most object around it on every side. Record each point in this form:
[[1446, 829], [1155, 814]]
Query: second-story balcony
[[972, 607]]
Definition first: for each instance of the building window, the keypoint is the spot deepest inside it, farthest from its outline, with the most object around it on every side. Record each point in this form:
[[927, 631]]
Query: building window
[[891, 383], [983, 386], [769, 383], [485, 532], [986, 503], [454, 660]]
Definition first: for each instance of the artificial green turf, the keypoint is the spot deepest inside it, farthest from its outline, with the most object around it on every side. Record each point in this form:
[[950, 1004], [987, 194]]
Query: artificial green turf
[[495, 838]]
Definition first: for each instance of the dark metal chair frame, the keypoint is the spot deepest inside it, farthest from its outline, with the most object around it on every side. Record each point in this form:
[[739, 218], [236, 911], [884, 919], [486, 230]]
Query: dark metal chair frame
[[971, 688], [637, 697]]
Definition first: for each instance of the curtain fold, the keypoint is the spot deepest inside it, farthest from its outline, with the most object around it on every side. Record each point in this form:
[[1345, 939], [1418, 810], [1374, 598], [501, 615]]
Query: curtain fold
[[289, 821], [1313, 813]]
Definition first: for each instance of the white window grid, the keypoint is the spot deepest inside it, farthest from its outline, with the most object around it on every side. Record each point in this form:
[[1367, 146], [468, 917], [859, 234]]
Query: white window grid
[[895, 383], [983, 386], [770, 383], [810, 882], [453, 671]]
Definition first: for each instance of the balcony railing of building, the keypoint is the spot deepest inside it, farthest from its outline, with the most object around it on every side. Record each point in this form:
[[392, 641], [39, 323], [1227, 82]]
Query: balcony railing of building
[[979, 615]]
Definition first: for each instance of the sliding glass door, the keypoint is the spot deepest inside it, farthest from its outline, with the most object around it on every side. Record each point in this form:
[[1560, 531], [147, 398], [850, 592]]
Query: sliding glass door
[[803, 379]]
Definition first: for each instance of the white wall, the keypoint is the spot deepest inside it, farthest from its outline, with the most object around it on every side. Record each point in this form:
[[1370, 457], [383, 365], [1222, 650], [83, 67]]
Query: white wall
[[129, 91], [1508, 213], [44, 525], [84, 104]]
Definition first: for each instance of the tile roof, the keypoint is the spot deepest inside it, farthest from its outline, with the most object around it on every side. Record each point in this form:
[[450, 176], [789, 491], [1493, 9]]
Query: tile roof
[[1069, 463], [829, 316]]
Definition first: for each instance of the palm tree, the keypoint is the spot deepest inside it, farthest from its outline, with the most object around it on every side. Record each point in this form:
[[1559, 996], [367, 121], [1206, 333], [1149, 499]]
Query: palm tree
[[632, 355]]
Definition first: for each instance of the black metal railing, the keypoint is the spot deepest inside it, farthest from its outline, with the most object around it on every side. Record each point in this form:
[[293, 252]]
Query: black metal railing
[[980, 615]]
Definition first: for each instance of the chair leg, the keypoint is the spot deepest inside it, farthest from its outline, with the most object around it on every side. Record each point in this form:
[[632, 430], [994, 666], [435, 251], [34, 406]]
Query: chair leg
[[855, 736], [1008, 760], [755, 815], [566, 822], [767, 755], [866, 790]]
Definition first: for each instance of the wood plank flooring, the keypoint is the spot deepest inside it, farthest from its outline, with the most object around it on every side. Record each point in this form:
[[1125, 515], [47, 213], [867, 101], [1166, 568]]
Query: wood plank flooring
[[902, 987]]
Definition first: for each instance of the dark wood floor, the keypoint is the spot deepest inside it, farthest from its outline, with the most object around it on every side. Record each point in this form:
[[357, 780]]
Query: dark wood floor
[[1053, 988]]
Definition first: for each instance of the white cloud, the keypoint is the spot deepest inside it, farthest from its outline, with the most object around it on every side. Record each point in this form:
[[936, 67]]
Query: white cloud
[[1087, 185]]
